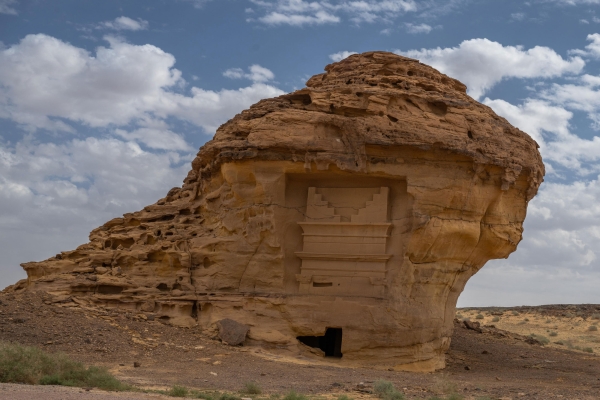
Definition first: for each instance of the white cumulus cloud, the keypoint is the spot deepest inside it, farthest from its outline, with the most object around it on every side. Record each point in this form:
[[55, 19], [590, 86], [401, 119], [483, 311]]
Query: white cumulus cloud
[[7, 7], [301, 12], [559, 251], [318, 18], [340, 55], [43, 78], [417, 28], [125, 23], [52, 194], [592, 49], [256, 73], [548, 124], [482, 63], [47, 83], [55, 188]]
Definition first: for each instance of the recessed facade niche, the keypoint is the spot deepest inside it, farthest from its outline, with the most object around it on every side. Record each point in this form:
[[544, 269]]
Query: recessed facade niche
[[345, 234]]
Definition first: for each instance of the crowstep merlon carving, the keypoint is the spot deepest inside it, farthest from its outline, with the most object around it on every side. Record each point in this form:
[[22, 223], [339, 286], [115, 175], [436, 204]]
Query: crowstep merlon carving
[[344, 250], [341, 220]]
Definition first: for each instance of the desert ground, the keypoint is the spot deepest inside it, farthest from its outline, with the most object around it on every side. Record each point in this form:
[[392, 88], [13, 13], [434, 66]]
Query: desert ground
[[546, 352]]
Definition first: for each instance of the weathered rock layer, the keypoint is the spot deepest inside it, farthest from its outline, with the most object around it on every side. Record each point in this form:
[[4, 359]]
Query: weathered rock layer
[[342, 219]]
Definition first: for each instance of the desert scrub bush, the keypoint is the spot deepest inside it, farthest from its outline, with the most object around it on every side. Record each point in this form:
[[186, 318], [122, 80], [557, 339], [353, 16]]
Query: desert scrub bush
[[196, 394], [178, 391], [293, 395], [251, 388], [27, 364], [479, 316], [495, 319], [515, 313], [459, 316], [595, 316], [553, 334], [344, 397], [593, 328], [588, 350], [540, 338], [548, 321], [386, 390]]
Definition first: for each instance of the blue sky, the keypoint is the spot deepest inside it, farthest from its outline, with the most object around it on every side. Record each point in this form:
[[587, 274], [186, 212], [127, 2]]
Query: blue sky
[[104, 104]]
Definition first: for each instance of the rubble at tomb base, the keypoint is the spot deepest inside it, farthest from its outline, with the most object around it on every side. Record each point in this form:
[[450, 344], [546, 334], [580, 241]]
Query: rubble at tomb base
[[343, 219]]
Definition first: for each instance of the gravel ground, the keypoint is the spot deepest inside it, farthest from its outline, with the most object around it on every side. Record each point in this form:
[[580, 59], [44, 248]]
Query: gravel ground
[[494, 364], [10, 391]]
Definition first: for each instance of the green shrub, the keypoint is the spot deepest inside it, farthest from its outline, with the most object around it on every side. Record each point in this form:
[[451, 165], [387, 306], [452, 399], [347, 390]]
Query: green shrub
[[552, 334], [251, 388], [588, 350], [344, 397], [210, 395], [26, 364], [496, 319], [540, 338], [293, 395], [195, 394], [595, 316], [381, 387], [515, 313], [178, 391], [479, 316], [386, 390], [593, 328]]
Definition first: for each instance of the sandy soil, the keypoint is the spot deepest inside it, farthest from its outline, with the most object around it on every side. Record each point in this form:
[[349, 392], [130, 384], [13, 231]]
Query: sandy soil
[[9, 391], [575, 327], [493, 364]]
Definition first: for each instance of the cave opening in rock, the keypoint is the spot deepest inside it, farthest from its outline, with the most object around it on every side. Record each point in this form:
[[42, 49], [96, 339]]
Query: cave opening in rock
[[331, 343]]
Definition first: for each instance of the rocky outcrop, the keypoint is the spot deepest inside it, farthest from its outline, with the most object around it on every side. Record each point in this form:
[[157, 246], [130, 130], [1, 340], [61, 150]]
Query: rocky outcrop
[[344, 219]]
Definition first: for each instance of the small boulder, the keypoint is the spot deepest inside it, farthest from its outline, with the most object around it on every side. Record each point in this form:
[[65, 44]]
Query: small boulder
[[231, 332], [475, 326]]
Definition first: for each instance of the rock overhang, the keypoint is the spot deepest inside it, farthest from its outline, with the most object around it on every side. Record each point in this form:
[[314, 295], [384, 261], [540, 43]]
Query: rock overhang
[[353, 210]]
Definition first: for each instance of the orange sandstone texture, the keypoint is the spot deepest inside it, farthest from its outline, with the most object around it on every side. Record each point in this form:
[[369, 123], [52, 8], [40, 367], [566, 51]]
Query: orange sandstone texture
[[355, 210]]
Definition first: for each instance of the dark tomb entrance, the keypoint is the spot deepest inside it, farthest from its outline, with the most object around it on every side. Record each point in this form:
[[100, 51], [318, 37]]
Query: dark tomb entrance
[[331, 343]]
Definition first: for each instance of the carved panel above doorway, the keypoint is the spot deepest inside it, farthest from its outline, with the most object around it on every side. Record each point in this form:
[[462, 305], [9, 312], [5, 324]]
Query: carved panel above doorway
[[345, 233]]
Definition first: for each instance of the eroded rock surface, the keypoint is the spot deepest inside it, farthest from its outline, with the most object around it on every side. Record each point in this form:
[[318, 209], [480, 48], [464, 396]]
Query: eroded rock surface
[[352, 212]]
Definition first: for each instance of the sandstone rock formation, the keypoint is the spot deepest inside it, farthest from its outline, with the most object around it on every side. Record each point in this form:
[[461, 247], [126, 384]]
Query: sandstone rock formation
[[343, 219]]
